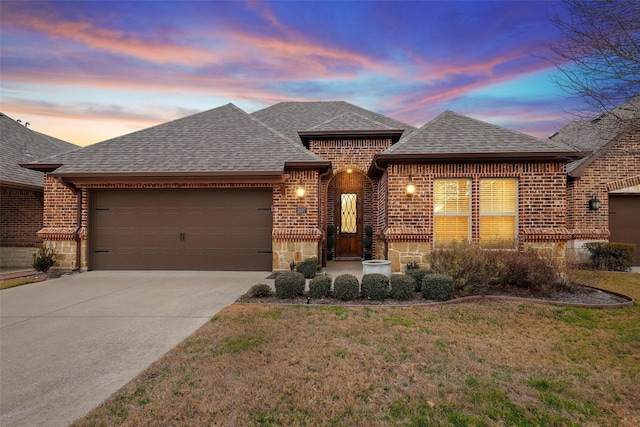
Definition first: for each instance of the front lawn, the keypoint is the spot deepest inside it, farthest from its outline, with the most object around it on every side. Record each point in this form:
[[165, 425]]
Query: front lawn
[[469, 364]]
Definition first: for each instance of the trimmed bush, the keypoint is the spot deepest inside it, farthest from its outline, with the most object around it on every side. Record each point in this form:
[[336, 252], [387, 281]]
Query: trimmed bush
[[44, 258], [612, 256], [289, 284], [402, 287], [438, 287], [346, 287], [375, 286], [308, 267], [260, 290], [319, 287], [417, 274]]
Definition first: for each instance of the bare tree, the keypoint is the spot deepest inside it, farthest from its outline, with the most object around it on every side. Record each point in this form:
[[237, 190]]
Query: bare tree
[[599, 56]]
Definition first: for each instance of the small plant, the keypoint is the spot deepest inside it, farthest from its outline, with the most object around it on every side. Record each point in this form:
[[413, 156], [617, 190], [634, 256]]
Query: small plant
[[289, 284], [412, 265], [367, 241], [292, 265], [402, 287], [261, 290], [308, 267], [319, 287], [44, 258], [346, 287], [438, 287], [331, 240], [611, 256], [418, 274], [375, 286]]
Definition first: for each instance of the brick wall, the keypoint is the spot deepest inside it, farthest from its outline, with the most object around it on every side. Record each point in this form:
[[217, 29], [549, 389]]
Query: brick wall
[[541, 204], [20, 217]]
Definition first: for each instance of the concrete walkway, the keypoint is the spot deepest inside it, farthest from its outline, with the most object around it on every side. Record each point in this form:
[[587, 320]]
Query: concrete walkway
[[67, 344]]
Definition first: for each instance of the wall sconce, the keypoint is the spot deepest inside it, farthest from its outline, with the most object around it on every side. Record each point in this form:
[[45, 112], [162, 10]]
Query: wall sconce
[[594, 203], [411, 187], [300, 190]]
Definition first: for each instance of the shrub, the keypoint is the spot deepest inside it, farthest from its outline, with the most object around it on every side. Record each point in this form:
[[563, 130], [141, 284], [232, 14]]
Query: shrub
[[437, 287], [611, 256], [308, 267], [289, 284], [44, 258], [346, 287], [319, 287], [375, 286], [412, 265], [417, 275], [260, 290], [402, 287], [526, 270]]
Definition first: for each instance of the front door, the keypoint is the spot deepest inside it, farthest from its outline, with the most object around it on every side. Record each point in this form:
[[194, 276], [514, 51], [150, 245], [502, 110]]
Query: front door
[[348, 223]]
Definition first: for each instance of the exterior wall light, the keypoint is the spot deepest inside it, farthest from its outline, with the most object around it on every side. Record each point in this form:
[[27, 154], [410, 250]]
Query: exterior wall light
[[300, 190], [411, 187], [594, 203]]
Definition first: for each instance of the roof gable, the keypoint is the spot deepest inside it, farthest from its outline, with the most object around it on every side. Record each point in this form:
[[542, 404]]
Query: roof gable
[[290, 118], [22, 145], [224, 140]]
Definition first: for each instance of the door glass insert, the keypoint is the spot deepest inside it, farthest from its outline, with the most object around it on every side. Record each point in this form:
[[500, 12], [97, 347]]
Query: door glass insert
[[349, 213]]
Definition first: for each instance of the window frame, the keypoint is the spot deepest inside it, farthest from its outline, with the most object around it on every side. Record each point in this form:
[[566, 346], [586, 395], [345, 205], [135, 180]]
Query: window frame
[[514, 214], [469, 213]]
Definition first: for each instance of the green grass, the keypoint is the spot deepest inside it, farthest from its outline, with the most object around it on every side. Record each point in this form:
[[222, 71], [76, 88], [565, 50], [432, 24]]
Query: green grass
[[484, 363]]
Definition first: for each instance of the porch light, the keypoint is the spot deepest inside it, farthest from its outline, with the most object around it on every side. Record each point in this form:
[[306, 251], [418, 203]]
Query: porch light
[[411, 187], [594, 203], [349, 170], [300, 190]]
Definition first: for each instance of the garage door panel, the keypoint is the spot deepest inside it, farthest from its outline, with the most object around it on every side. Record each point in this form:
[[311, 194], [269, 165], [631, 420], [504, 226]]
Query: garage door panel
[[182, 229], [624, 220]]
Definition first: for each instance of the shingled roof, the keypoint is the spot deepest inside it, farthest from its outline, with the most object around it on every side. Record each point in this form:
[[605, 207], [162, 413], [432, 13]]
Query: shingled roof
[[591, 137], [224, 141], [295, 118], [22, 145]]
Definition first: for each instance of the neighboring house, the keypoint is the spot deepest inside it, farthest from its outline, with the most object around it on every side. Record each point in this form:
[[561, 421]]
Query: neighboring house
[[21, 190], [609, 172], [227, 190]]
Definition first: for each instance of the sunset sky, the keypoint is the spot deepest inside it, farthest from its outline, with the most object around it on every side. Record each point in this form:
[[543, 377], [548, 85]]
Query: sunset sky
[[86, 71]]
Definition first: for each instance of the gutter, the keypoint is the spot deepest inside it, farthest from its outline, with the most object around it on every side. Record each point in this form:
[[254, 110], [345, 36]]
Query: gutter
[[76, 233], [380, 171]]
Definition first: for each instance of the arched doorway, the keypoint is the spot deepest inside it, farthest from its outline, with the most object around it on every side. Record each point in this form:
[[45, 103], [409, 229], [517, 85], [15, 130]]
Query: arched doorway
[[350, 210]]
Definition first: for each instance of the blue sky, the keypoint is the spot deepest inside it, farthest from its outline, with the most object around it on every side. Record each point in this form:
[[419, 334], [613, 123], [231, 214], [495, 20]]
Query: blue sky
[[86, 71]]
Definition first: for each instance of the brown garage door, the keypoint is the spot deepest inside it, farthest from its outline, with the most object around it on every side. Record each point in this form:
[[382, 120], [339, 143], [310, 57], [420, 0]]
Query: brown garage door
[[186, 229], [624, 220]]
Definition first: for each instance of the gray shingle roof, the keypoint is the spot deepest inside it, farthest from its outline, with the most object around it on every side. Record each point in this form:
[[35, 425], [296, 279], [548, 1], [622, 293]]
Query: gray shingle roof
[[22, 145], [291, 117], [452, 133], [592, 136], [224, 139]]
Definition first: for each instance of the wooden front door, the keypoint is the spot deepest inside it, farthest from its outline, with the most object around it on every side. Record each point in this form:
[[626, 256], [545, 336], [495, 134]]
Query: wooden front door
[[348, 223]]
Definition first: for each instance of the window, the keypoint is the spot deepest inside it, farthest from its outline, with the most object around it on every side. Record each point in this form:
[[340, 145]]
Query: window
[[451, 210], [349, 213], [498, 206]]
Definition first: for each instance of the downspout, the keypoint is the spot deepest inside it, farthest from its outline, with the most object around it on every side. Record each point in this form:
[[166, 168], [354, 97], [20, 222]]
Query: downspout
[[322, 255], [76, 233], [383, 170]]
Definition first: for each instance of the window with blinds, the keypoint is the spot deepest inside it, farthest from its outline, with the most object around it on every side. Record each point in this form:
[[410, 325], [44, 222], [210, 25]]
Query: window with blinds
[[451, 210], [498, 212]]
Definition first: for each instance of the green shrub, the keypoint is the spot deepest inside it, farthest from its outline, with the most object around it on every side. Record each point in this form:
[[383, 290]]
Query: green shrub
[[417, 275], [346, 287], [402, 287], [289, 284], [319, 287], [612, 256], [367, 241], [412, 265], [375, 286], [438, 287], [368, 230], [44, 258], [260, 290], [308, 267]]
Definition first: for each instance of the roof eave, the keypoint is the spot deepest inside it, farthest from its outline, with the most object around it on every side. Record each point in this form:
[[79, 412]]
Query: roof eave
[[21, 186], [306, 136], [41, 167], [319, 165]]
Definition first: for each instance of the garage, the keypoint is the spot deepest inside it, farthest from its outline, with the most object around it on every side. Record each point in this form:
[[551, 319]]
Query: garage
[[624, 222], [180, 229]]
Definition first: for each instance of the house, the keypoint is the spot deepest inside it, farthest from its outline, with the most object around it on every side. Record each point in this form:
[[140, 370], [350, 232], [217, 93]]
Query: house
[[227, 190], [610, 173], [21, 190]]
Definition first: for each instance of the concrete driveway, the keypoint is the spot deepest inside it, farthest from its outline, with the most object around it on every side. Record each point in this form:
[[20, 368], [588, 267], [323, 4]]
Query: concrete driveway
[[67, 344]]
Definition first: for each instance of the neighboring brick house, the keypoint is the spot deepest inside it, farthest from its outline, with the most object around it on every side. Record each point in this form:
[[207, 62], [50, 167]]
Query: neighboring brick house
[[21, 190], [227, 190], [609, 172]]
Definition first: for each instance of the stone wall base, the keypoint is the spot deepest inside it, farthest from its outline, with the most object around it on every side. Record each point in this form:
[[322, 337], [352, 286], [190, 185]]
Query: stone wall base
[[285, 252], [17, 257], [576, 251], [66, 254], [402, 253]]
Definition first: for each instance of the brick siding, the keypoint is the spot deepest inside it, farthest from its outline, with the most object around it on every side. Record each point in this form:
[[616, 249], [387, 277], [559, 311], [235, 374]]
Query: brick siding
[[21, 217]]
